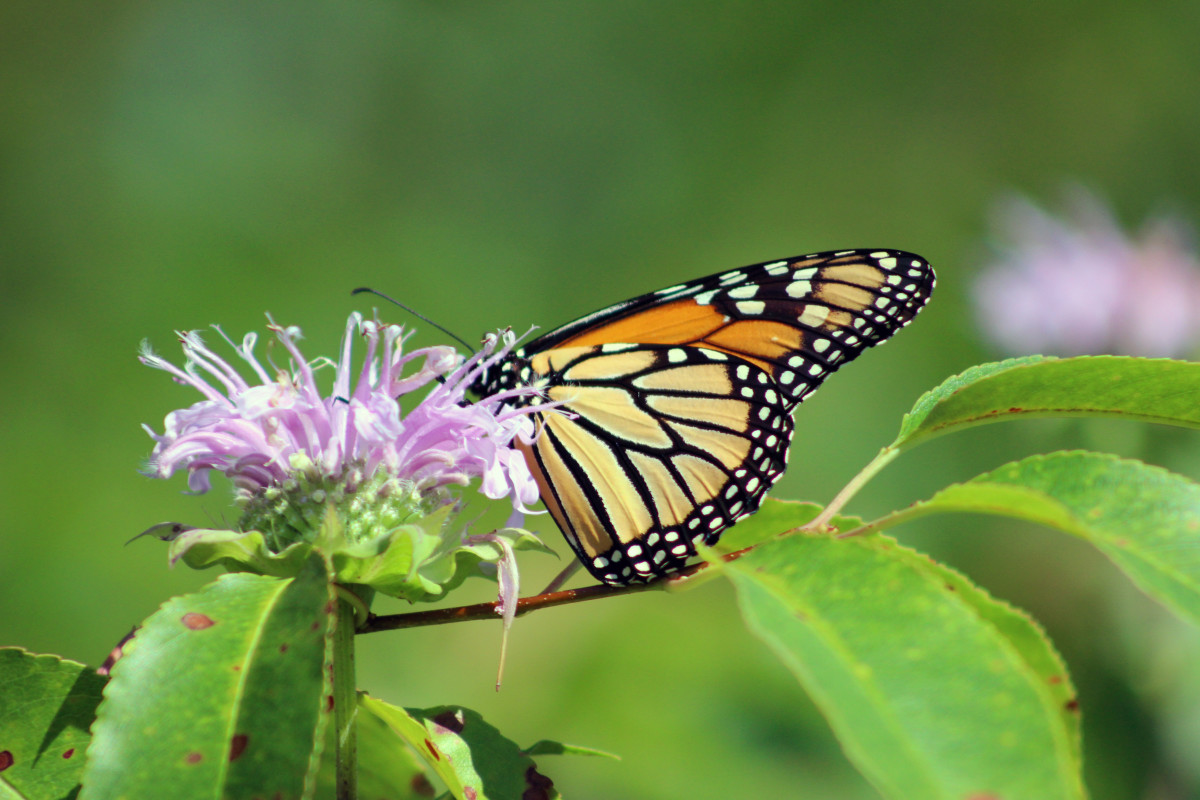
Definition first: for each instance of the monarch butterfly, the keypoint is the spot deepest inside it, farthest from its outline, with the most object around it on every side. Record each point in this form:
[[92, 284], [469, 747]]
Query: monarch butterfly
[[679, 401]]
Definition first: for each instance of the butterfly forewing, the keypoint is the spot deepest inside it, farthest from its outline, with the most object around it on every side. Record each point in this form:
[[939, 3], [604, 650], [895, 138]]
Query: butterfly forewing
[[798, 319], [675, 415]]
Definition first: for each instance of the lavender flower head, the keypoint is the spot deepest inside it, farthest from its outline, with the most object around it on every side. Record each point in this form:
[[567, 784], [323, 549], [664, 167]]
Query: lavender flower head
[[283, 443], [1079, 285]]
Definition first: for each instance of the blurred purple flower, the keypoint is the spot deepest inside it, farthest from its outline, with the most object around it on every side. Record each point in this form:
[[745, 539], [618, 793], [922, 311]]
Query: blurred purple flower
[[1078, 285], [262, 434]]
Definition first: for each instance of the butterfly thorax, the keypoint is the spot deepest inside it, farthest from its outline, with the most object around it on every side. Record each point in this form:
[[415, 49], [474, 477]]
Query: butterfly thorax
[[508, 373]]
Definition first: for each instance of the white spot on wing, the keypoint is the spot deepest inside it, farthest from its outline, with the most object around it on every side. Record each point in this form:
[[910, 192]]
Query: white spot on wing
[[798, 289], [751, 308], [814, 316]]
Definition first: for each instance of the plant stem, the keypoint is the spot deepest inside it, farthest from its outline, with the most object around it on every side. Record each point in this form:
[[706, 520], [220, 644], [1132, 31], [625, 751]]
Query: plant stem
[[881, 460], [345, 702], [442, 616]]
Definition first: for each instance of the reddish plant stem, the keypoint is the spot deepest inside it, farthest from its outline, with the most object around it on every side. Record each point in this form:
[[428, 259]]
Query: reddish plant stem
[[442, 616]]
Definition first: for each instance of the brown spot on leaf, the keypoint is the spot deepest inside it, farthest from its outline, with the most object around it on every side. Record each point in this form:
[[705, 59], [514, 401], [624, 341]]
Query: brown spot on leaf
[[951, 587], [328, 703], [1055, 680], [69, 752], [450, 721], [197, 622], [237, 745], [538, 785], [117, 652], [433, 751], [1072, 705], [283, 648], [421, 786], [331, 607], [469, 792], [1015, 409], [6, 760], [983, 796], [194, 758]]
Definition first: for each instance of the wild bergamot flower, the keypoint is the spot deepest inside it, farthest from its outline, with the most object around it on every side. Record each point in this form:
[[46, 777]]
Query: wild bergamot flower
[[296, 455], [1078, 284]]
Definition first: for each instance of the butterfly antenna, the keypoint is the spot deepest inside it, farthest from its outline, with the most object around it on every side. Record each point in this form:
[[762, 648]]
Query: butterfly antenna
[[416, 314]]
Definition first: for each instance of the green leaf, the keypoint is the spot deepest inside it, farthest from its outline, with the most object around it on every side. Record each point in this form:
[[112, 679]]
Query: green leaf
[[935, 689], [1148, 389], [48, 705], [774, 518], [389, 563], [451, 567], [222, 693], [546, 747], [202, 548], [469, 755], [1144, 518], [387, 767]]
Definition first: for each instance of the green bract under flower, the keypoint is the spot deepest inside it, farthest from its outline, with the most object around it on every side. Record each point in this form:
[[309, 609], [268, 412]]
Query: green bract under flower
[[347, 473], [413, 561]]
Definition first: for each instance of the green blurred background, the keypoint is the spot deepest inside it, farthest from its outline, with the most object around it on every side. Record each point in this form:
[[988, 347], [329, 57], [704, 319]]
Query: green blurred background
[[169, 165]]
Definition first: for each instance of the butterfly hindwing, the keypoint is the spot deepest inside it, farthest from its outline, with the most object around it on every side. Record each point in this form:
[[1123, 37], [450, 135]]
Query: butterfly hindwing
[[654, 448], [675, 411]]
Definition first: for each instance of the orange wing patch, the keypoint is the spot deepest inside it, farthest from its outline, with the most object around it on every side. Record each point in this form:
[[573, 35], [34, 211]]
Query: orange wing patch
[[759, 341], [678, 322]]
